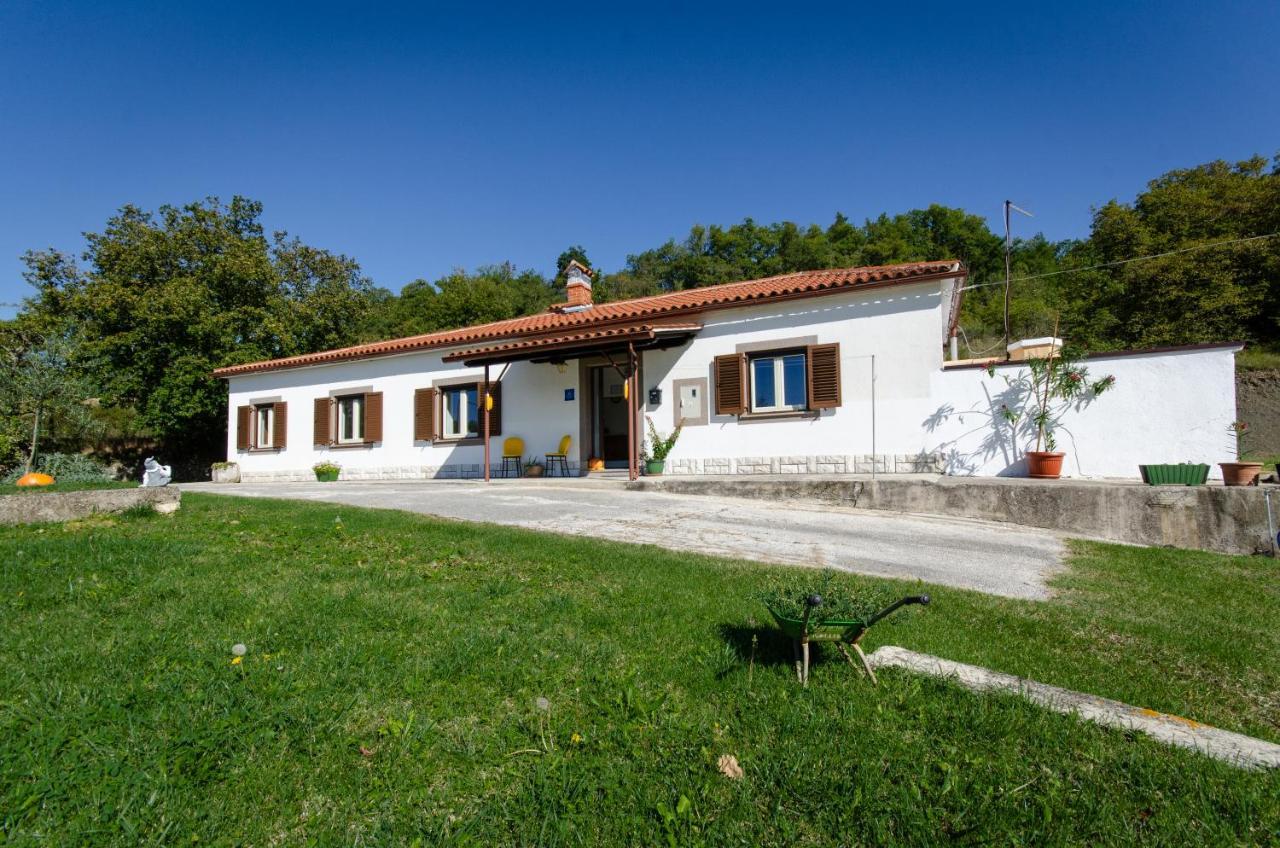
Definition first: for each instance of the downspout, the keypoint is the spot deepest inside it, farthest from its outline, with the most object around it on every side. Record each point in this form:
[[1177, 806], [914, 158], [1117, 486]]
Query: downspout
[[1271, 524], [874, 455]]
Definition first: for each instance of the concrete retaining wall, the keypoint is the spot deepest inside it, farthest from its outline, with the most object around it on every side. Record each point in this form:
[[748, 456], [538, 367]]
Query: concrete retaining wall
[[1214, 518], [35, 507]]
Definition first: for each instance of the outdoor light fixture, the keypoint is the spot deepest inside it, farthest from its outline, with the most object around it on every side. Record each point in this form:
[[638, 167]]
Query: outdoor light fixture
[[561, 367]]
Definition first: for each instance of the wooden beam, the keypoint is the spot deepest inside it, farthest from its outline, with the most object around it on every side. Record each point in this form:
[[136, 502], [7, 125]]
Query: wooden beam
[[485, 403]]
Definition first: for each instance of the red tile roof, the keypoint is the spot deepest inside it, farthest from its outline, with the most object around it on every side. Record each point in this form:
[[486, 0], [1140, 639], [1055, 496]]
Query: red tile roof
[[576, 339], [686, 302]]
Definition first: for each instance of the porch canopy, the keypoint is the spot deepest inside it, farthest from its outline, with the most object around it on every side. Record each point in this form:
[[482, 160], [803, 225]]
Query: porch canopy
[[619, 344]]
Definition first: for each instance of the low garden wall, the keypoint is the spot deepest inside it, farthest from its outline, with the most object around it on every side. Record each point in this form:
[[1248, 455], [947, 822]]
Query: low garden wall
[[33, 507], [1215, 518]]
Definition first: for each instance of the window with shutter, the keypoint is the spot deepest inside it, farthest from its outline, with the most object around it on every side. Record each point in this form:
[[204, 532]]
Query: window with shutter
[[244, 419], [372, 417], [730, 378], [280, 425], [322, 427], [424, 415], [824, 376]]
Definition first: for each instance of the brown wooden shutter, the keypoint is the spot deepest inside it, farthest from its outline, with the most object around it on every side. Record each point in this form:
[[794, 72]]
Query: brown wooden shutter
[[823, 363], [495, 415], [244, 422], [731, 384], [424, 415], [373, 417], [322, 422], [279, 424]]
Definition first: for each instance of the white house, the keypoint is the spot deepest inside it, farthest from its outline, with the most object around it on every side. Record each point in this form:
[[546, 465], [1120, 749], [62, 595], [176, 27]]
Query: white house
[[829, 372]]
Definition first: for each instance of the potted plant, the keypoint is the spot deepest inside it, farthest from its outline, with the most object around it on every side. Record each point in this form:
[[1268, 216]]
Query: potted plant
[[326, 472], [533, 468], [1179, 474], [657, 448], [226, 472], [1240, 473], [1040, 395]]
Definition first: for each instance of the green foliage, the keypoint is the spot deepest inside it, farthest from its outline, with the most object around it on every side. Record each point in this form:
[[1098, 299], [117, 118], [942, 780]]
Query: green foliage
[[166, 297], [326, 467], [658, 447], [788, 595], [43, 395], [67, 468], [1042, 392], [391, 684]]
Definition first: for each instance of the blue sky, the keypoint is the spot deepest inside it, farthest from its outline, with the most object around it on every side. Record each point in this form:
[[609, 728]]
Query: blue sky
[[418, 138]]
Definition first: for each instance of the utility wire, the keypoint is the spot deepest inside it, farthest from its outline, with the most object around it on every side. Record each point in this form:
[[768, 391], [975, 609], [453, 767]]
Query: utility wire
[[1123, 261]]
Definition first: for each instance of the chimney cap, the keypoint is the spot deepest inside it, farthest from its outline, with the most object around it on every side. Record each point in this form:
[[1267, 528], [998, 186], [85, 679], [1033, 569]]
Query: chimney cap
[[575, 265]]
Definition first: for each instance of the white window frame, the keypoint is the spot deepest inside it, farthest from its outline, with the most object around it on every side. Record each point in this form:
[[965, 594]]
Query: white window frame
[[779, 381], [463, 420], [356, 435], [264, 414]]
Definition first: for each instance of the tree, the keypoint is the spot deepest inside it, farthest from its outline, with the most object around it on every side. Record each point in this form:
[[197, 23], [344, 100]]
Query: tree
[[162, 299], [39, 385]]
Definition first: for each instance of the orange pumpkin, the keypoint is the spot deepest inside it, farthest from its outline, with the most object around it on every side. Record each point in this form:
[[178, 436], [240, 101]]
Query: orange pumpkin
[[35, 478]]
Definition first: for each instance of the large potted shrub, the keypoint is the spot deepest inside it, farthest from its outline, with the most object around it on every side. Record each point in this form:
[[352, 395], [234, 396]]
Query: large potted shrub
[[1038, 397], [657, 448], [226, 472], [1240, 473]]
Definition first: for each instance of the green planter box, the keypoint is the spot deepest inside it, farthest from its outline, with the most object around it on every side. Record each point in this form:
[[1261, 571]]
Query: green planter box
[[655, 466], [1182, 474], [327, 476]]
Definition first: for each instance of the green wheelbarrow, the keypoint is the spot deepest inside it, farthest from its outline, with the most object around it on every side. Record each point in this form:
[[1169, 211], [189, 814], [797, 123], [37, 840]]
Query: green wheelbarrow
[[841, 631]]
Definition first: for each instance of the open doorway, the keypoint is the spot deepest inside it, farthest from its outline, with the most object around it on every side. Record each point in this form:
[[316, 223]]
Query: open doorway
[[609, 416]]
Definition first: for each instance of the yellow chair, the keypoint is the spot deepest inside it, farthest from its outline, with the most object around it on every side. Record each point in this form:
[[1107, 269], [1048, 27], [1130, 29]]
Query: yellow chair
[[513, 452], [561, 457]]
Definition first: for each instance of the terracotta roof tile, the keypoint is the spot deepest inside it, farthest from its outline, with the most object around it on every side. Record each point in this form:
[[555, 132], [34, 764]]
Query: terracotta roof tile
[[688, 301]]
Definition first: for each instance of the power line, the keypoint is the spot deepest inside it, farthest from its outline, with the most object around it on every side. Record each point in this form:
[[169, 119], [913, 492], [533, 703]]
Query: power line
[[1123, 261]]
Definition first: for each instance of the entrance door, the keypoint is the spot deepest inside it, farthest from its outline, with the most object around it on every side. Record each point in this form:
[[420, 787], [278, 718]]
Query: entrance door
[[610, 416]]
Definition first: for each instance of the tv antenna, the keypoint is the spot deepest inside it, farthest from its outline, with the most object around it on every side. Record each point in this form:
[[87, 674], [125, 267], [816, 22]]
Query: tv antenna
[[1008, 251]]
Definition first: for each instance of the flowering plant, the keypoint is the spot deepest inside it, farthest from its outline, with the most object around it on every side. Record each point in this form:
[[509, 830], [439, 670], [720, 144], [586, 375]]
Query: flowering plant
[[326, 467], [1047, 389]]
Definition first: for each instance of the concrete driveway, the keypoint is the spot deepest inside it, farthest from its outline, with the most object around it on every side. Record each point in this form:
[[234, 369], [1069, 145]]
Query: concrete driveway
[[995, 558]]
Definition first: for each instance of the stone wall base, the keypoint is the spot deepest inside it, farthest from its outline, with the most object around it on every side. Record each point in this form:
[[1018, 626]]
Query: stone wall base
[[881, 463], [455, 471]]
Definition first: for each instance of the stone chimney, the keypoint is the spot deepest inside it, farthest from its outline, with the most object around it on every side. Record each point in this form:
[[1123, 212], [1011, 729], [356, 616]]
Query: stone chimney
[[577, 285]]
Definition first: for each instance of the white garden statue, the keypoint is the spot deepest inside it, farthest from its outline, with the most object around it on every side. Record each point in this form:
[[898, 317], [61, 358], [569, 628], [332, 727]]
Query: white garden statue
[[155, 474]]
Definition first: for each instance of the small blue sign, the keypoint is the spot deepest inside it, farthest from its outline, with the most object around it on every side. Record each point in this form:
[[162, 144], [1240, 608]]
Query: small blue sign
[[568, 394]]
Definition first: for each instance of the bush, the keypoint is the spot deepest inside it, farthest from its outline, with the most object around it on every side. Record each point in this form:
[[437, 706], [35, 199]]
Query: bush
[[66, 468]]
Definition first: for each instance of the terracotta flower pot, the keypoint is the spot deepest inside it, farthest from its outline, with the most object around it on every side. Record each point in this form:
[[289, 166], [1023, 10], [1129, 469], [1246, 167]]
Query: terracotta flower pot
[[1044, 465], [534, 470], [595, 463], [1240, 473]]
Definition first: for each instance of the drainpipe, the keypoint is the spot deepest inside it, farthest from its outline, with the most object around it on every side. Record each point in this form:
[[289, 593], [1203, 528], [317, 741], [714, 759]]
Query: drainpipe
[[955, 348], [873, 417]]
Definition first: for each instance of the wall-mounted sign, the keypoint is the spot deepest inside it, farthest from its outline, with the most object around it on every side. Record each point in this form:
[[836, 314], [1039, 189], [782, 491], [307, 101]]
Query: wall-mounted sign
[[568, 394]]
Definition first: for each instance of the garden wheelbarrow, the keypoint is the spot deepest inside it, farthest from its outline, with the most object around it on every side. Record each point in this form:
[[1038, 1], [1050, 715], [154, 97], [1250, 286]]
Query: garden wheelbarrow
[[843, 632]]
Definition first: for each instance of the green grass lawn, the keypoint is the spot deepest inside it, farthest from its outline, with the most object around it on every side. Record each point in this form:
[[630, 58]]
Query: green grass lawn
[[390, 694]]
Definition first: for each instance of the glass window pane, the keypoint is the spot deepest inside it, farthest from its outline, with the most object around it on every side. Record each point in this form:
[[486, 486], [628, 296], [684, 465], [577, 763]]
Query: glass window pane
[[453, 413], [348, 420], [793, 380], [473, 415], [357, 418], [763, 394]]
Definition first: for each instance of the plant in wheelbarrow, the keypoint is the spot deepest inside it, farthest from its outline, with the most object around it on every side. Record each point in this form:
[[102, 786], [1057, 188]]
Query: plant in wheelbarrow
[[825, 610]]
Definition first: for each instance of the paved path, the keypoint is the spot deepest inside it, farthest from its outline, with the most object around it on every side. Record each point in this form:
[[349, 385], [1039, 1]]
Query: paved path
[[996, 558]]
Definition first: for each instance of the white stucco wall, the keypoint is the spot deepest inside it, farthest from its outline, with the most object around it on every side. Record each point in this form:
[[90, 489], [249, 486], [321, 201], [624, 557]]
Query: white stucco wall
[[1165, 407], [1172, 406], [533, 408]]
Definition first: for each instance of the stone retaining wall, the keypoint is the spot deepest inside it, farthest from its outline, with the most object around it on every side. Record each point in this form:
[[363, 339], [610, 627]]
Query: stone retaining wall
[[32, 507], [1216, 518]]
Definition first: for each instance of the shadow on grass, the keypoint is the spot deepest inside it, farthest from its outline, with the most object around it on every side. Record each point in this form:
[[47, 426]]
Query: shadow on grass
[[771, 647]]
